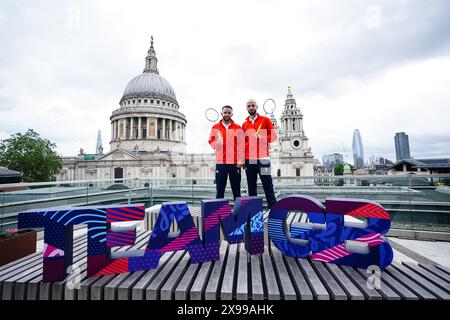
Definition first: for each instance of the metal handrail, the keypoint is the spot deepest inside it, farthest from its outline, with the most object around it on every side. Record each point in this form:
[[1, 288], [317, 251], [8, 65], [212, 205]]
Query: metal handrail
[[357, 177]]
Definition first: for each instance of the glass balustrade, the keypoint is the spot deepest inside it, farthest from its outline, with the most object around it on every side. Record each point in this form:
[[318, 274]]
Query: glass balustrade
[[413, 202]]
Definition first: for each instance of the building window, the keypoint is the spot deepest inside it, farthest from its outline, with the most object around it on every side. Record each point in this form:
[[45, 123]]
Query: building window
[[151, 101], [163, 103], [145, 100], [139, 101], [297, 172], [157, 101], [279, 173], [134, 101]]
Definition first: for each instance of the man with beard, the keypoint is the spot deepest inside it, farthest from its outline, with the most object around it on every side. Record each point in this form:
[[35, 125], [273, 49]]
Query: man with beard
[[227, 139]]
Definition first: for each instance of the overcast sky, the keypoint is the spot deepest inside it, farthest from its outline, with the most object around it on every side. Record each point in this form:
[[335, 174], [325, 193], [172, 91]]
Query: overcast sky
[[377, 66]]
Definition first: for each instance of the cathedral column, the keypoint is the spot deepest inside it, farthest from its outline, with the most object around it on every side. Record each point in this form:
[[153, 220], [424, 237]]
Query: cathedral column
[[148, 128], [122, 129], [139, 128], [175, 130], [115, 130], [163, 135], [155, 127], [131, 128], [170, 129], [112, 130]]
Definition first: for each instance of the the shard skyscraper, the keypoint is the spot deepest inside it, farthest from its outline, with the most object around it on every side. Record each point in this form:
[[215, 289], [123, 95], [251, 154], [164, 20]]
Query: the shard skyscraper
[[99, 146], [358, 150]]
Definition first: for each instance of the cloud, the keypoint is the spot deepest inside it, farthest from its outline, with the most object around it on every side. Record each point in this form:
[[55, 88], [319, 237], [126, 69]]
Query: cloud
[[380, 67]]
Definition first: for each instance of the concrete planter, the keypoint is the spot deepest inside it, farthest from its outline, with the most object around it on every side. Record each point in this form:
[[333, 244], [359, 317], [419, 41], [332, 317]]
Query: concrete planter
[[21, 245]]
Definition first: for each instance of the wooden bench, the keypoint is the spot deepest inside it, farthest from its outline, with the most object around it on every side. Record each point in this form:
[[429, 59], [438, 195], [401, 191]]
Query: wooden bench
[[237, 275]]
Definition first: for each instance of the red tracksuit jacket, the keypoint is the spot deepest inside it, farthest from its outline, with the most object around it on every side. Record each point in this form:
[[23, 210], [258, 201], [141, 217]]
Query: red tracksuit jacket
[[258, 147], [232, 147]]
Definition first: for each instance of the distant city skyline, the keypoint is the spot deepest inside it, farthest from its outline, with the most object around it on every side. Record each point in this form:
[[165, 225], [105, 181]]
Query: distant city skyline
[[330, 160]]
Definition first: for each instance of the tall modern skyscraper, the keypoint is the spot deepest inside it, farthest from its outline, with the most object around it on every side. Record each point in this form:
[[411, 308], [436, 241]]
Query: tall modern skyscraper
[[358, 150], [402, 146]]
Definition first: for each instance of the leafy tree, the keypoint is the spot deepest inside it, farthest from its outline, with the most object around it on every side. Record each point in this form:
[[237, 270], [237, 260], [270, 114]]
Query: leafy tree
[[339, 169], [30, 154]]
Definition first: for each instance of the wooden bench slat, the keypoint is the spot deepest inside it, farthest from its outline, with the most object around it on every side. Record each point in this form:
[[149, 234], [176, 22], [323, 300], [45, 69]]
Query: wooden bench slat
[[84, 293], [183, 287], [34, 261], [58, 288], [197, 291], [361, 283], [436, 271], [256, 279], [399, 287], [349, 287], [72, 293], [335, 290], [27, 259], [212, 286], [316, 285], [111, 289], [138, 290], [301, 285], [20, 277], [226, 292], [44, 291], [168, 290], [411, 285], [385, 290], [443, 268], [242, 292], [97, 287], [285, 283], [429, 276], [273, 292], [152, 292], [441, 294], [124, 289]]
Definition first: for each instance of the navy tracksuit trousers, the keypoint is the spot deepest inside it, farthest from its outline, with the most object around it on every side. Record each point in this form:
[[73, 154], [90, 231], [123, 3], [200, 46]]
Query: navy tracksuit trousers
[[222, 173], [253, 168]]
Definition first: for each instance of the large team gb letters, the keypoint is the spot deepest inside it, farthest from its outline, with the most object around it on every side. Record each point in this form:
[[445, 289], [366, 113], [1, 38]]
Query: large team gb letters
[[326, 237]]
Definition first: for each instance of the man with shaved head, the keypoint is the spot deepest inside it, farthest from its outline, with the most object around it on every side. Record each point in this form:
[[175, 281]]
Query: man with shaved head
[[259, 132]]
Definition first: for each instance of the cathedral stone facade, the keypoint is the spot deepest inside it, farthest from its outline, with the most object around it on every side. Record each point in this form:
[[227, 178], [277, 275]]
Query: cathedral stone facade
[[290, 154], [148, 138]]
